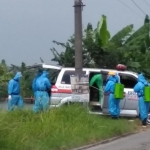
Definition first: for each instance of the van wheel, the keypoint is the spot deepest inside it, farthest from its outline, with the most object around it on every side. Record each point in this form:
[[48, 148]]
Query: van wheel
[[148, 119], [69, 103]]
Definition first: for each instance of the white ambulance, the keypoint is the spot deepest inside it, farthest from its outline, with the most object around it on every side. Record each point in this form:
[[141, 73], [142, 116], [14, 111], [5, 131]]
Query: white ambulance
[[61, 93]]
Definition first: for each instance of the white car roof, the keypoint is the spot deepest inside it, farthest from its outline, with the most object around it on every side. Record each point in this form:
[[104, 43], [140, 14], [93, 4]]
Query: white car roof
[[43, 65], [99, 69]]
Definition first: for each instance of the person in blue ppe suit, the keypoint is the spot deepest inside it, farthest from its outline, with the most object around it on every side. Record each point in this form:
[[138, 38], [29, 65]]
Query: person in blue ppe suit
[[114, 108], [14, 97], [34, 82], [43, 86], [143, 106]]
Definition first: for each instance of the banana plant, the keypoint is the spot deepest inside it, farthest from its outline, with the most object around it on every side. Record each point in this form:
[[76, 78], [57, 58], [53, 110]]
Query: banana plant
[[101, 31]]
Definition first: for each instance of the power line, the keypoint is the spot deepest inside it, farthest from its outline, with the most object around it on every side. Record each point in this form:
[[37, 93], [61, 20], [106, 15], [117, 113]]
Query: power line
[[146, 2], [138, 7], [130, 8]]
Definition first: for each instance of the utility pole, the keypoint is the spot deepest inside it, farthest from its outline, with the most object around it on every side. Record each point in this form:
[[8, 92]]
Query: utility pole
[[78, 6]]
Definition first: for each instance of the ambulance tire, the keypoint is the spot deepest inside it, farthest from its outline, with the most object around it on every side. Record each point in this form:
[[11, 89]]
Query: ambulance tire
[[69, 103]]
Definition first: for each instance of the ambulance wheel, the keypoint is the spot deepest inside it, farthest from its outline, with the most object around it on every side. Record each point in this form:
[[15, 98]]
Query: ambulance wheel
[[69, 103], [148, 119]]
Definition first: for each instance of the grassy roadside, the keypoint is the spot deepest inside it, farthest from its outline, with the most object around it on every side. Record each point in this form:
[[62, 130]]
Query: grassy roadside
[[58, 129]]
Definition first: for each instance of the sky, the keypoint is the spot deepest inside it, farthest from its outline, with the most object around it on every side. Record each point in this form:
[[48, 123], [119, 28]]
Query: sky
[[28, 27]]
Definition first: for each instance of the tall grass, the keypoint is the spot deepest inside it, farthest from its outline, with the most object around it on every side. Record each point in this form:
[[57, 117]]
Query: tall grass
[[57, 129]]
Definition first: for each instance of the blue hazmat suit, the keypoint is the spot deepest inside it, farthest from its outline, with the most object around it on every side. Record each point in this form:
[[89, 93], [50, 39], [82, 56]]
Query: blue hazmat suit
[[43, 86], [114, 108], [14, 93], [139, 89], [34, 82]]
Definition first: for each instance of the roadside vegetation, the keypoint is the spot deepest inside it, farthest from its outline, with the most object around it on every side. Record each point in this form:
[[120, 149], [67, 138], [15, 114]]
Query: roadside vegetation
[[128, 46], [57, 129], [68, 127]]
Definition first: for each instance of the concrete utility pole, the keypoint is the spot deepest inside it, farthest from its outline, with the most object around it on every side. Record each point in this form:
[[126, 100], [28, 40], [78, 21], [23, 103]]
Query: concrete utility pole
[[78, 5]]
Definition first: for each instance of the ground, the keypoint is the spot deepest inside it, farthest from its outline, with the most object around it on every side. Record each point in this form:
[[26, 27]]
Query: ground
[[3, 105], [140, 141]]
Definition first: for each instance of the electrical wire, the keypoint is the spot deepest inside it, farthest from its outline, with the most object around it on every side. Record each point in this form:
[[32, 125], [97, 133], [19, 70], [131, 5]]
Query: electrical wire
[[138, 7], [130, 8]]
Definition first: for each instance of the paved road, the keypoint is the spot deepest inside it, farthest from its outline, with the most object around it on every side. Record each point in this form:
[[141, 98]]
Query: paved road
[[3, 105], [139, 141]]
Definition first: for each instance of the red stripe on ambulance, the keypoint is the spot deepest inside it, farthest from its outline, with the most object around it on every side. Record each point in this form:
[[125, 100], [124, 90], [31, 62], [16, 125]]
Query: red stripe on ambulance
[[54, 89]]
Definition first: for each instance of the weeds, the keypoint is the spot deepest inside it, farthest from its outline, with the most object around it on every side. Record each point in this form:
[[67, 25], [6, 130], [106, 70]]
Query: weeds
[[57, 129]]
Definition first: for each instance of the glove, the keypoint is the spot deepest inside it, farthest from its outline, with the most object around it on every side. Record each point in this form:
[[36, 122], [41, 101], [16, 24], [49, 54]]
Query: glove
[[9, 97]]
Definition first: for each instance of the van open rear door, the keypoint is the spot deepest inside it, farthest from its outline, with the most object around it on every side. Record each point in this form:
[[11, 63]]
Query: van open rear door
[[99, 106], [96, 94], [45, 66], [105, 96], [53, 71]]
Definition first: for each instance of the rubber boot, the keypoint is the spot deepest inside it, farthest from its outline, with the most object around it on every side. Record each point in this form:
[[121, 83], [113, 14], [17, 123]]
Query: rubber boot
[[144, 123], [115, 117]]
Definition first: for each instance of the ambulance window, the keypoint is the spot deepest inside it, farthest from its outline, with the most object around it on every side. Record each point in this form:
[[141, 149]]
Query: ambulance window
[[129, 81], [66, 76]]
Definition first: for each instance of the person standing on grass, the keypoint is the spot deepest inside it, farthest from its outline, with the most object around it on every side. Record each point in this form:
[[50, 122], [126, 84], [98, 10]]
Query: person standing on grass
[[34, 82], [14, 97], [143, 106], [43, 86], [114, 108]]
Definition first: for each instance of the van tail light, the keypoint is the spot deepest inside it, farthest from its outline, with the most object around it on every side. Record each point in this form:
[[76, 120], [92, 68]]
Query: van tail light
[[54, 89]]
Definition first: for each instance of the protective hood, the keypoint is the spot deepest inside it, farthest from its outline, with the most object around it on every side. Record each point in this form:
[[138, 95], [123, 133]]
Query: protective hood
[[142, 79], [45, 74], [18, 76], [112, 78]]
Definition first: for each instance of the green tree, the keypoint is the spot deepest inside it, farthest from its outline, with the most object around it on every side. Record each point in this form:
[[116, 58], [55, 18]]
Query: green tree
[[96, 48], [5, 76]]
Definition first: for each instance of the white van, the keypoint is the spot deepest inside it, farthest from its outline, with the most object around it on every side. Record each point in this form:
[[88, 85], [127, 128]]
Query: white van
[[61, 89]]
